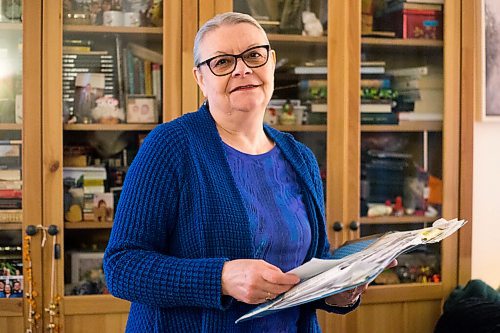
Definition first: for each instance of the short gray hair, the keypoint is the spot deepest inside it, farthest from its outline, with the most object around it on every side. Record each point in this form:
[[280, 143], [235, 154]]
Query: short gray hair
[[229, 18]]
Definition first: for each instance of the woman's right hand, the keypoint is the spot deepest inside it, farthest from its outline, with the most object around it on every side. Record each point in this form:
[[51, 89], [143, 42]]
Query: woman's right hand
[[255, 281]]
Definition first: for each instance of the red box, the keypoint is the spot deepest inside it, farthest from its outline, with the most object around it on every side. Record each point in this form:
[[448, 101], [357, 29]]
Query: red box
[[414, 23]]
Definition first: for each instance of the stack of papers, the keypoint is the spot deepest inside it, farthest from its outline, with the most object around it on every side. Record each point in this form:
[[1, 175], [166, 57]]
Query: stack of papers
[[363, 261]]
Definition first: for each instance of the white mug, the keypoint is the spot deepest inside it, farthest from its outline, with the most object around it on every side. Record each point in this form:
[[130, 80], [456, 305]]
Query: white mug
[[112, 18], [131, 19]]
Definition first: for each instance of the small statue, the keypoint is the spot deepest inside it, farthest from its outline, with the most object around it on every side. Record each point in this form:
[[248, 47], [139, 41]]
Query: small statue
[[312, 25], [107, 111]]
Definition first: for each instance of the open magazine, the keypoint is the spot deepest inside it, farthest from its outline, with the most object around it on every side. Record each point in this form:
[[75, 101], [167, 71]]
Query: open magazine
[[358, 263]]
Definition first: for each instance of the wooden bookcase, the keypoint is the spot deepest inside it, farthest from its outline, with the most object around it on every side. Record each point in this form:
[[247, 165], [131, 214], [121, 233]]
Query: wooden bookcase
[[92, 312], [385, 308]]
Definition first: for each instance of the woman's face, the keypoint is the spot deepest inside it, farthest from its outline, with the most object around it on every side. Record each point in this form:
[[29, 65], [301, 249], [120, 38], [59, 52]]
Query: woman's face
[[245, 89]]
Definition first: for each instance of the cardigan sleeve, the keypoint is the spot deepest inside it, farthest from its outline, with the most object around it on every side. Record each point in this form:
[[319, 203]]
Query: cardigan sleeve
[[137, 266]]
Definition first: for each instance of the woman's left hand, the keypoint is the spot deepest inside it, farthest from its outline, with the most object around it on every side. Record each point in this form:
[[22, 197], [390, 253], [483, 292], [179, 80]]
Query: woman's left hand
[[349, 297], [346, 298]]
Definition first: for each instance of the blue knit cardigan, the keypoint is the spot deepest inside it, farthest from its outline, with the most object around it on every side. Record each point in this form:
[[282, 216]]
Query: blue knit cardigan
[[181, 217]]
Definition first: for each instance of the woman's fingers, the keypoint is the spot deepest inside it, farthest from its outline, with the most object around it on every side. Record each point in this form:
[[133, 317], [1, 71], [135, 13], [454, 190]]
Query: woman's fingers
[[255, 281]]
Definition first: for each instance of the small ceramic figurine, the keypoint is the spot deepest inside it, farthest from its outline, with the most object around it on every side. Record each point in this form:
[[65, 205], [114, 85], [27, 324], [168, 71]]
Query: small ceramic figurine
[[287, 116], [107, 111], [312, 25], [271, 116]]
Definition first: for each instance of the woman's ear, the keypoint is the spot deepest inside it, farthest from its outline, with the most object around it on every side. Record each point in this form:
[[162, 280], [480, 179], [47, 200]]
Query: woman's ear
[[273, 57], [198, 77]]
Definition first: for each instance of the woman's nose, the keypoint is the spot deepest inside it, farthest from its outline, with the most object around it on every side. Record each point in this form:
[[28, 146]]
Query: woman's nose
[[241, 68]]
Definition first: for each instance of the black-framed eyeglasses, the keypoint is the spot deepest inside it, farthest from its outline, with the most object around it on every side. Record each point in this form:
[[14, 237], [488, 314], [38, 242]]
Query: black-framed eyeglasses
[[225, 64]]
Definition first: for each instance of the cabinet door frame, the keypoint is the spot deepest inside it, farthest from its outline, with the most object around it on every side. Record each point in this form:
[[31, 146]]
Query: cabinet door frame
[[75, 310]]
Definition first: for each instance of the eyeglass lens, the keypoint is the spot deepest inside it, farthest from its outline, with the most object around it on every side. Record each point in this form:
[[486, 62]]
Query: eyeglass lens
[[225, 64]]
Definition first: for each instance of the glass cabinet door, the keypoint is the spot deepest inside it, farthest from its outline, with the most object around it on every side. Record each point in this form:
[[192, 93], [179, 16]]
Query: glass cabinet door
[[19, 189], [401, 114], [112, 68]]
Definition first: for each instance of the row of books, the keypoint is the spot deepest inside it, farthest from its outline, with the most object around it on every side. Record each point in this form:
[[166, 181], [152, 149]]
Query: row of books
[[10, 181], [119, 71]]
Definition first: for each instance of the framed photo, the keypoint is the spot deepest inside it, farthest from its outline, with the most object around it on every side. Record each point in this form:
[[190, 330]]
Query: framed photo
[[142, 110], [83, 264], [103, 207], [88, 88], [490, 110]]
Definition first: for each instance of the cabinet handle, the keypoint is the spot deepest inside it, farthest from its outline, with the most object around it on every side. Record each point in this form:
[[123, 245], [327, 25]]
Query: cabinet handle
[[354, 225], [54, 166], [31, 230], [337, 226]]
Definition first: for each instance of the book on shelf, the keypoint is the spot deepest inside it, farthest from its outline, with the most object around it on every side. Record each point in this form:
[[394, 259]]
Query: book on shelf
[[310, 70], [90, 172], [372, 70], [11, 203], [11, 184], [409, 71], [399, 5], [10, 193], [420, 116], [10, 174], [379, 34], [375, 107], [319, 107], [379, 118], [375, 83], [371, 63], [11, 215]]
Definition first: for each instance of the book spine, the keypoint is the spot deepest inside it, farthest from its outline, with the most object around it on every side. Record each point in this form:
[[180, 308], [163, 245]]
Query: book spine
[[119, 71], [148, 84], [131, 72], [156, 77]]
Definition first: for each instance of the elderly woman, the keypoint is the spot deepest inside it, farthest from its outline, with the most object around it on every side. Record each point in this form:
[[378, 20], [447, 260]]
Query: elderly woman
[[217, 206]]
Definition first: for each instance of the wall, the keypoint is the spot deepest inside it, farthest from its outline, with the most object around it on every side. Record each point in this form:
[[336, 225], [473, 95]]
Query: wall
[[486, 204]]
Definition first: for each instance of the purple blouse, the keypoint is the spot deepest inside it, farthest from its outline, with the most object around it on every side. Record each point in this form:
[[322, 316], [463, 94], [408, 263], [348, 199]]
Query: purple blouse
[[278, 222]]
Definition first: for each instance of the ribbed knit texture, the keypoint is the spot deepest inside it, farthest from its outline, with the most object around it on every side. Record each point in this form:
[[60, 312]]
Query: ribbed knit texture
[[278, 222], [181, 217]]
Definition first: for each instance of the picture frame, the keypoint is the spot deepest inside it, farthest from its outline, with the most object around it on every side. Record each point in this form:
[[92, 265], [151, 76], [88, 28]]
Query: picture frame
[[82, 263], [490, 60], [142, 109], [103, 208]]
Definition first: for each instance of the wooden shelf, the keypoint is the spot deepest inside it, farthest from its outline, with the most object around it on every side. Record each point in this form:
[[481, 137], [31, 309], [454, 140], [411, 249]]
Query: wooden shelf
[[397, 219], [88, 225], [405, 292], [11, 127], [11, 226], [94, 304], [282, 38], [11, 307], [301, 128], [107, 29], [406, 126], [103, 127], [16, 26], [398, 42]]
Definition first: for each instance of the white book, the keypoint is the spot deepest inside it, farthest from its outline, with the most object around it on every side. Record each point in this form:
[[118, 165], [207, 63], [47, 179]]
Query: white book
[[319, 107], [310, 70], [372, 70], [413, 116], [409, 71], [375, 107]]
